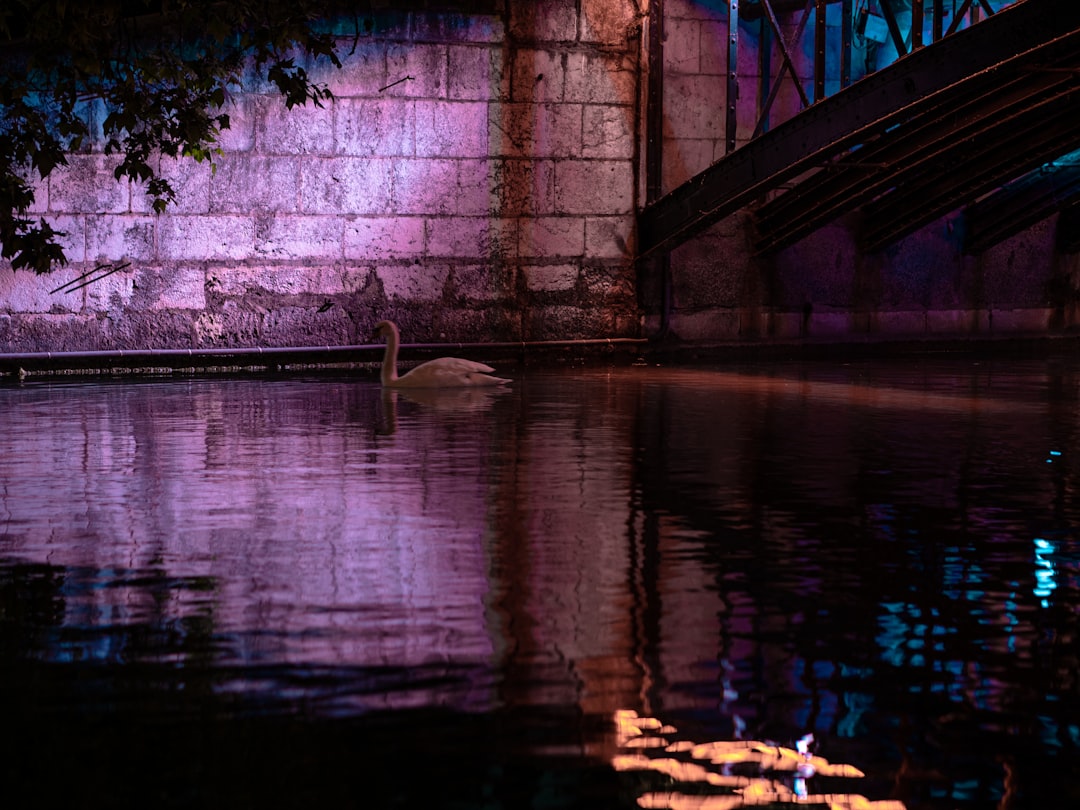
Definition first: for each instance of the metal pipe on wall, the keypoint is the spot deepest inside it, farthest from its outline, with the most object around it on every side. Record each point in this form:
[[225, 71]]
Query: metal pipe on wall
[[273, 357], [654, 149]]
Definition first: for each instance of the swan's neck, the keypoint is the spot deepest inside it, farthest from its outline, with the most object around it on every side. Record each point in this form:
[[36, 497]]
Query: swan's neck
[[389, 363]]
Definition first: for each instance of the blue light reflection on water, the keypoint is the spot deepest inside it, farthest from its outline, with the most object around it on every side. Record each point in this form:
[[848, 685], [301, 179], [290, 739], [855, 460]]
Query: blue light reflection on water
[[877, 554], [1045, 580]]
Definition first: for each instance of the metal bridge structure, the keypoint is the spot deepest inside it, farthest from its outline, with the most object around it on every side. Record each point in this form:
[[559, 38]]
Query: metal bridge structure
[[984, 120]]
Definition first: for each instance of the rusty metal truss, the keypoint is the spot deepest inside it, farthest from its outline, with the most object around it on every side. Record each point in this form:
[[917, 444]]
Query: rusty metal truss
[[947, 125], [1053, 187]]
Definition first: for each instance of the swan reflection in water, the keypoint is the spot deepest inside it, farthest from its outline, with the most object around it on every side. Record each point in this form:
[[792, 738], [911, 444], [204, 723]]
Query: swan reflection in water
[[445, 400], [745, 773]]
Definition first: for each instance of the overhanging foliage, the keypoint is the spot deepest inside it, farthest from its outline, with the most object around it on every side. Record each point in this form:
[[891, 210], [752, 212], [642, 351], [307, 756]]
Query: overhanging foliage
[[156, 73]]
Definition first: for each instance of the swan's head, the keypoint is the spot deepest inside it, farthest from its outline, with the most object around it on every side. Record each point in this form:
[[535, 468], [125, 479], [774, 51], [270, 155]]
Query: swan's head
[[383, 329]]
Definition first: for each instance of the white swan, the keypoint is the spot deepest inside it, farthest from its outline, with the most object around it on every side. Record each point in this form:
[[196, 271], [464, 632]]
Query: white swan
[[442, 372]]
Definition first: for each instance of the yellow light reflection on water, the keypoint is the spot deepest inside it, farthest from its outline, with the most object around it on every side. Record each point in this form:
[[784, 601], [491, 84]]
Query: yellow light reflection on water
[[780, 772]]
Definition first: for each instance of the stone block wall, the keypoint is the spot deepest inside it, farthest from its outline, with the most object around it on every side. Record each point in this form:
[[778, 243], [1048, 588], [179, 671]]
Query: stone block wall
[[474, 178], [477, 178]]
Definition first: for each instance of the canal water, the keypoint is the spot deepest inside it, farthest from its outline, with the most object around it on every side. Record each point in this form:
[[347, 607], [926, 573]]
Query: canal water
[[721, 586]]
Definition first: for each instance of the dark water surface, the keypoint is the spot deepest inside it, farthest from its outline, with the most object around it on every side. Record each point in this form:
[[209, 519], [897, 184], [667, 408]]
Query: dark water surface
[[602, 588]]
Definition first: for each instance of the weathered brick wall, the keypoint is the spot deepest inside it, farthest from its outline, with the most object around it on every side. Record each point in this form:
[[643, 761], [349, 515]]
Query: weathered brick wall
[[474, 178]]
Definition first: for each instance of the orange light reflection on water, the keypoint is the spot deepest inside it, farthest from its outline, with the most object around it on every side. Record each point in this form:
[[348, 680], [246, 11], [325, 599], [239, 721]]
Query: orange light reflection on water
[[912, 395], [782, 772]]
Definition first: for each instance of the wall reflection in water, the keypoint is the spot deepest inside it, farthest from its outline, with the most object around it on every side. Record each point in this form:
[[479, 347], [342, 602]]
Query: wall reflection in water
[[881, 555]]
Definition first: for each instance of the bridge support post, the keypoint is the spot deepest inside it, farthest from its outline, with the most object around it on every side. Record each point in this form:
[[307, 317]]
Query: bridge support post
[[847, 41], [819, 49], [732, 122]]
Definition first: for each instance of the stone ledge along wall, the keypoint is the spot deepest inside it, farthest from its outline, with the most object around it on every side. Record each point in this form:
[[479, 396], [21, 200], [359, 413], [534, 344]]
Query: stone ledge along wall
[[474, 179]]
